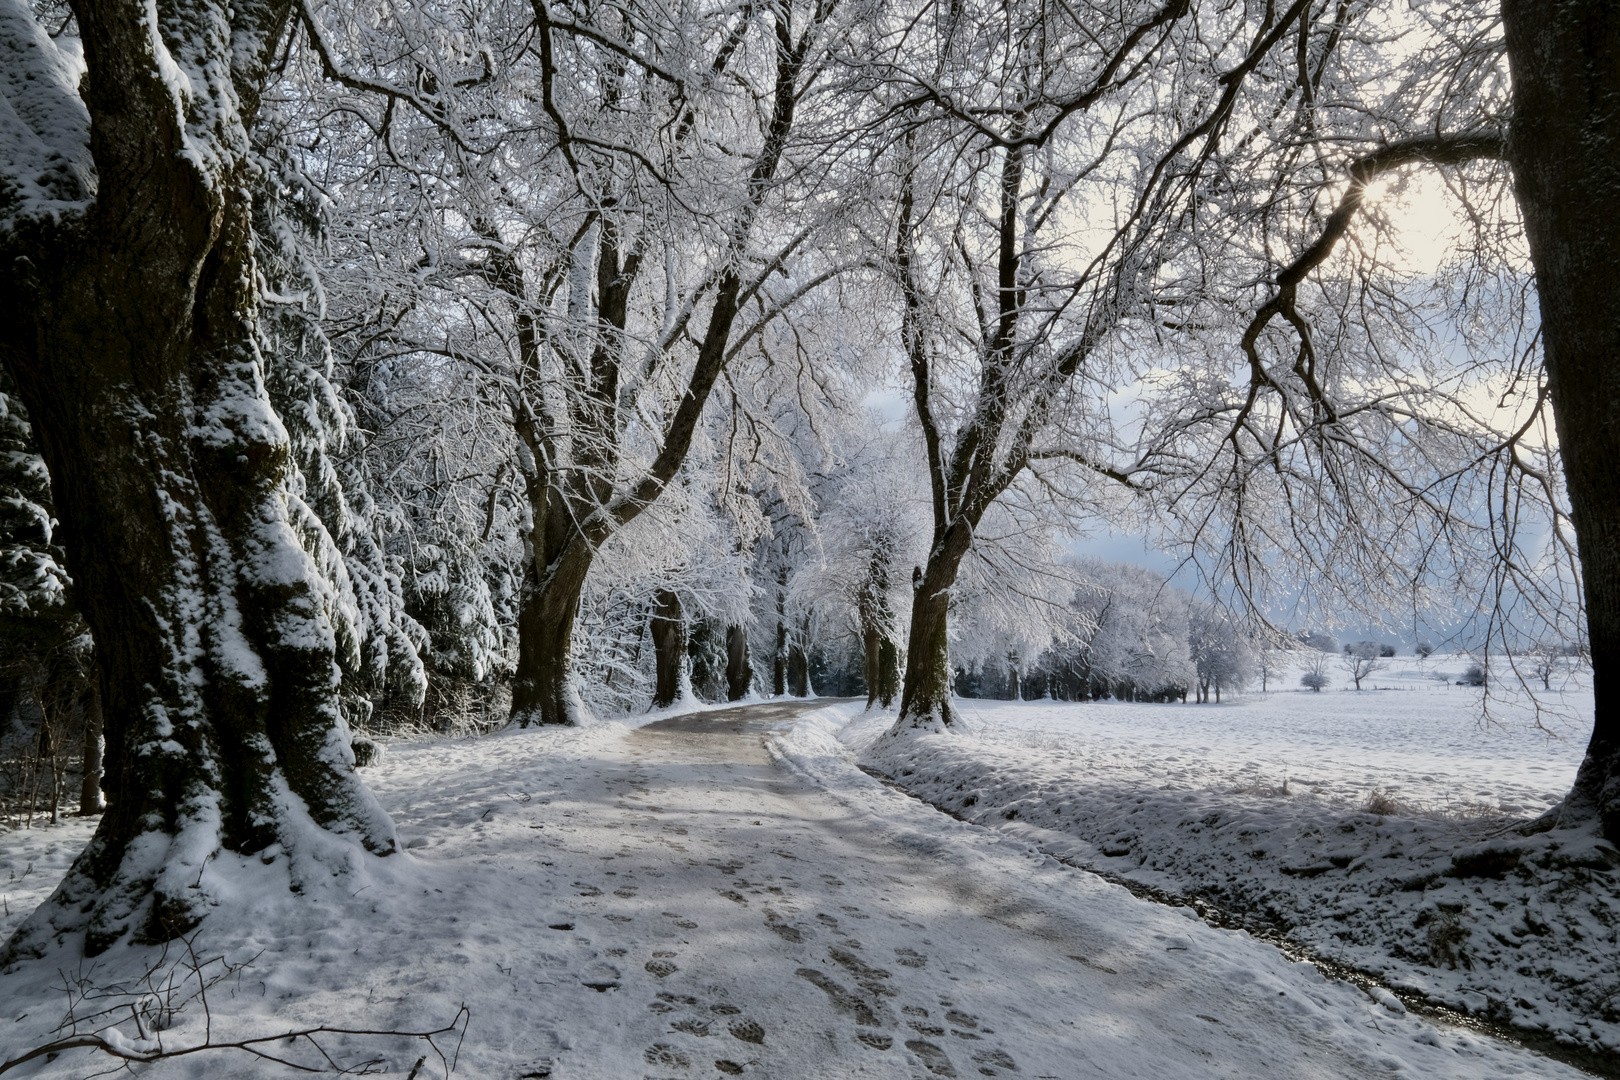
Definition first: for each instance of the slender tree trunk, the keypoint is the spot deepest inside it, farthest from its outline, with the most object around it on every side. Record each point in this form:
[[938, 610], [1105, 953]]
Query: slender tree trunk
[[90, 786], [739, 670], [779, 659], [799, 669], [871, 670], [1565, 152], [888, 671], [668, 626]]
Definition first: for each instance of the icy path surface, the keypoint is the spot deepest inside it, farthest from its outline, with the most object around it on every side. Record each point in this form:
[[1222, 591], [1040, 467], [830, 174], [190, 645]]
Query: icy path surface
[[725, 894]]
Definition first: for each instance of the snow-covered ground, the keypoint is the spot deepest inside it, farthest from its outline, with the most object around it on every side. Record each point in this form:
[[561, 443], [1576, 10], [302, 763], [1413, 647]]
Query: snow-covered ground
[[1374, 828], [701, 900]]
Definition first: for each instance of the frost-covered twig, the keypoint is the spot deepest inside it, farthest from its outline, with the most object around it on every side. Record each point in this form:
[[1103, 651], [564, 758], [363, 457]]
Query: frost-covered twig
[[165, 989]]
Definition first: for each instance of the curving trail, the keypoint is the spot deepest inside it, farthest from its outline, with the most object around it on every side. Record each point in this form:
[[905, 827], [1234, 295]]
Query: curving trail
[[724, 894], [775, 926]]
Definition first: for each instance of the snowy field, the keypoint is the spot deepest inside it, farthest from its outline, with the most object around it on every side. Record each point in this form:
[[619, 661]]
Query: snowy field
[[1374, 828], [609, 903]]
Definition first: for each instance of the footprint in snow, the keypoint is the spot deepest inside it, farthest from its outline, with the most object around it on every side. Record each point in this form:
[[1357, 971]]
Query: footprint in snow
[[989, 1061], [870, 978], [932, 1057], [600, 977], [785, 931], [664, 1054], [748, 1032], [910, 958], [670, 1002], [841, 997]]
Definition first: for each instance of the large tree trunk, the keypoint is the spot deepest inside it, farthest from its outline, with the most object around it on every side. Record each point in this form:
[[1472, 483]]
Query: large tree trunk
[[668, 626], [739, 670], [543, 690], [131, 330], [925, 700], [1565, 152]]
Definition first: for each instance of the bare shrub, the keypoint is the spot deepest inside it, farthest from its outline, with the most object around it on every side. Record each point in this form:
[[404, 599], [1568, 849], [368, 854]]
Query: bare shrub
[[1315, 675], [1445, 938], [1384, 803], [1266, 788]]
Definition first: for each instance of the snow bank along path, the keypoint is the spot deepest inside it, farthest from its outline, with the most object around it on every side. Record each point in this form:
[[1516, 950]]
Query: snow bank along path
[[726, 894], [1428, 886]]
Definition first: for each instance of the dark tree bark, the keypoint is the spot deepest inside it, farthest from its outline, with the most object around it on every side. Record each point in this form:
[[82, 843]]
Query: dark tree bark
[[739, 670], [871, 644], [881, 665], [129, 326], [888, 671], [90, 801], [542, 687], [1564, 148], [798, 670], [779, 659], [926, 691], [668, 627]]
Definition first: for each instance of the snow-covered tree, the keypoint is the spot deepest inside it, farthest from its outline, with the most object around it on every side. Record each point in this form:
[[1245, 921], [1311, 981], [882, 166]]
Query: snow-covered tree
[[1361, 659], [1132, 630], [1221, 651], [1315, 675], [130, 322]]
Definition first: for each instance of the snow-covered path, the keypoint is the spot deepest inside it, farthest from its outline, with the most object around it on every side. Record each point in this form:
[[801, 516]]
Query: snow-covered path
[[724, 894]]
